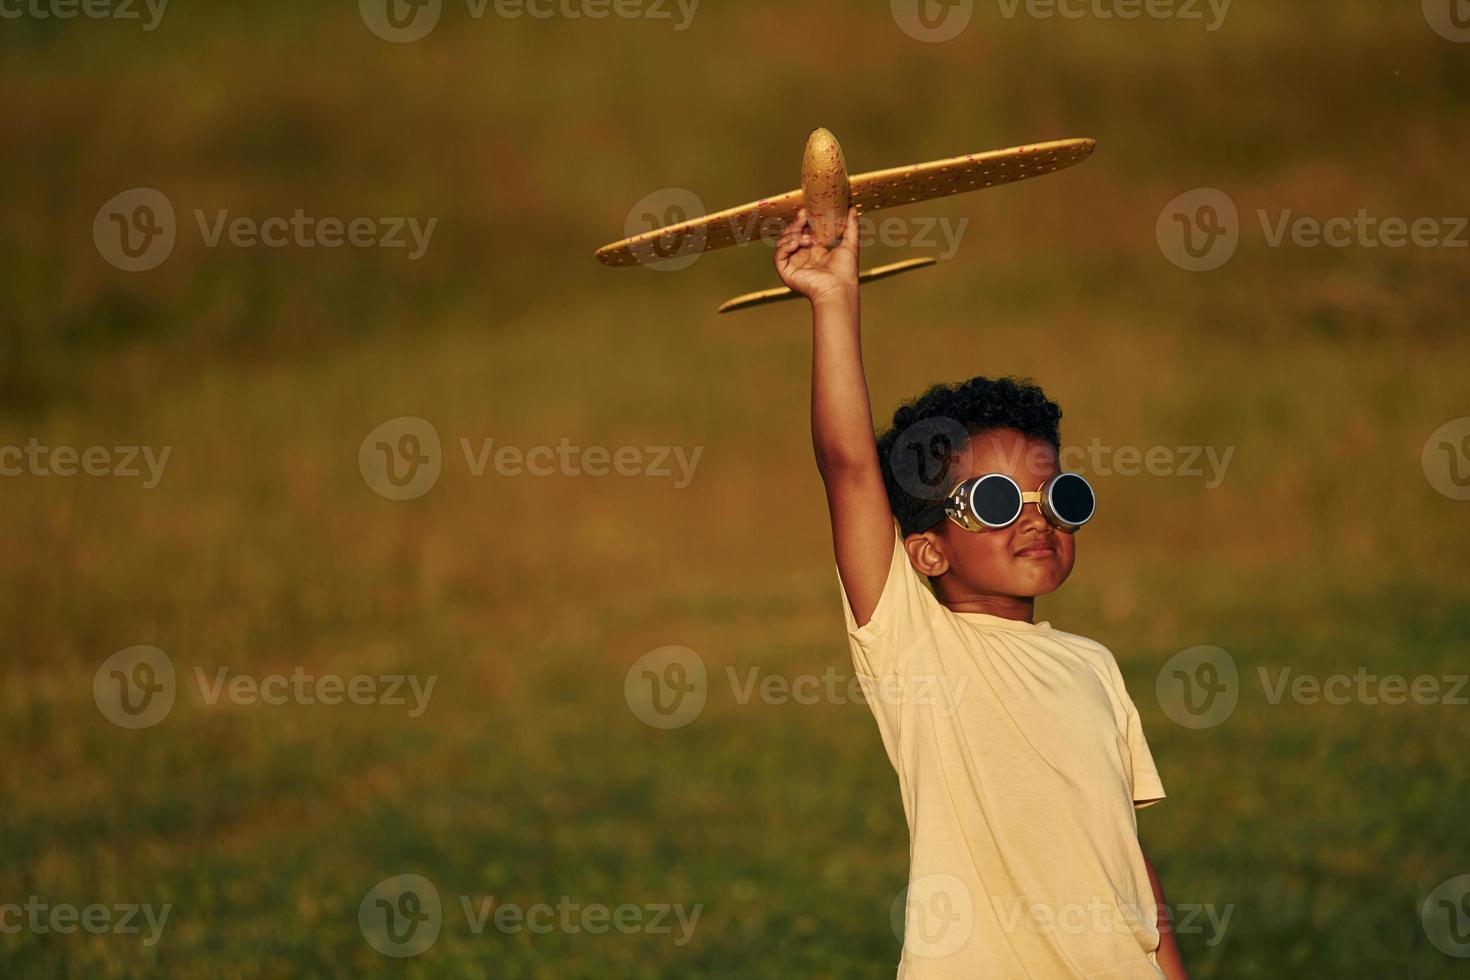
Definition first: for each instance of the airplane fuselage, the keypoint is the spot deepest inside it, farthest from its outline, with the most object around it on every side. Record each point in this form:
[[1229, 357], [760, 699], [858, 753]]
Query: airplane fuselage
[[825, 186]]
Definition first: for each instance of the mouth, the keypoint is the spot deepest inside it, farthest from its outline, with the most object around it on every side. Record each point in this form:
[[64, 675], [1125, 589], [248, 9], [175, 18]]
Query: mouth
[[1038, 550]]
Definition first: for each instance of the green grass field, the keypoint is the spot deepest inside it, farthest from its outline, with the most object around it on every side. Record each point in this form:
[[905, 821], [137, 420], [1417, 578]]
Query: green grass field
[[262, 550]]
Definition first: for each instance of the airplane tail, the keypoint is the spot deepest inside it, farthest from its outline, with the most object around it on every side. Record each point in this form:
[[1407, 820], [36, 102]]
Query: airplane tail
[[780, 293]]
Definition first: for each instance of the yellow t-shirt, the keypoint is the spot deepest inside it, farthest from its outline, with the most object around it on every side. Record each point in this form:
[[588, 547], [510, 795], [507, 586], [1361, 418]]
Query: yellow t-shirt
[[1020, 758]]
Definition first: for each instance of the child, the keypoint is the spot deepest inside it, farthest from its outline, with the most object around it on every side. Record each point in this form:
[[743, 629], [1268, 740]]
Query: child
[[1020, 756]]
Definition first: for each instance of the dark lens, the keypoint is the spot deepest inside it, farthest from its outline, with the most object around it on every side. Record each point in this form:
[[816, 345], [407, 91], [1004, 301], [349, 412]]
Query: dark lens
[[1072, 499], [996, 500]]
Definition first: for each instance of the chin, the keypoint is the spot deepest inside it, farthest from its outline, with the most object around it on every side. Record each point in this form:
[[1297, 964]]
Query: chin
[[1038, 581]]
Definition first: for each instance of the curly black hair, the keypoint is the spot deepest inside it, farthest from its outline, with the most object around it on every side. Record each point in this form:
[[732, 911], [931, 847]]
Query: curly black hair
[[928, 433]]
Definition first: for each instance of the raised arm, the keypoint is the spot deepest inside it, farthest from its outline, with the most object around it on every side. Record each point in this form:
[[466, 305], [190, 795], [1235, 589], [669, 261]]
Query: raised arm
[[842, 420]]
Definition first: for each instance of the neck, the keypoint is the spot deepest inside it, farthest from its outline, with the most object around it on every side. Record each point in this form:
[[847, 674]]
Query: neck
[[1020, 608]]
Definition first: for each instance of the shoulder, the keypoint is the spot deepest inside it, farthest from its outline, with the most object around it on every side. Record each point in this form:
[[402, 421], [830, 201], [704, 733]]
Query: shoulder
[[1084, 644], [1092, 650]]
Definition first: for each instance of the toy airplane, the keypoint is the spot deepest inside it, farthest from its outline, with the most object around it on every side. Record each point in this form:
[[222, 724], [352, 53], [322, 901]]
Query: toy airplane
[[827, 191]]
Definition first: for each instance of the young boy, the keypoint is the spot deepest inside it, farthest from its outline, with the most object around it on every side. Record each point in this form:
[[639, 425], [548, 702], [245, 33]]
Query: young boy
[[1020, 756]]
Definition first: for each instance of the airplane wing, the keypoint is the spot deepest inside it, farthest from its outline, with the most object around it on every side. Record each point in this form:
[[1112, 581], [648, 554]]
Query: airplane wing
[[759, 219], [872, 191], [941, 178]]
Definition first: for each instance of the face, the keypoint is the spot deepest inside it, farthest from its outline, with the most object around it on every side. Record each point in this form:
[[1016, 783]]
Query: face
[[1030, 557]]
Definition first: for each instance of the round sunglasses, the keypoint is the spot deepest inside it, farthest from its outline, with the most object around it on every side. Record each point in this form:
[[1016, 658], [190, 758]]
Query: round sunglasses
[[994, 500]]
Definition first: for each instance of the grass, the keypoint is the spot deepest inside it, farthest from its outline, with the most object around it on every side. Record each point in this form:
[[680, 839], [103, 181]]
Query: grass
[[262, 550]]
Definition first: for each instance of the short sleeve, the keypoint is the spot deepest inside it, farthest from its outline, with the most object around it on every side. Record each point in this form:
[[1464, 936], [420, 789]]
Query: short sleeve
[[880, 645], [1147, 788]]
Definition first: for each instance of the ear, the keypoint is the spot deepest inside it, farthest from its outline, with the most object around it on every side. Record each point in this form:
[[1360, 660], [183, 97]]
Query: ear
[[926, 553]]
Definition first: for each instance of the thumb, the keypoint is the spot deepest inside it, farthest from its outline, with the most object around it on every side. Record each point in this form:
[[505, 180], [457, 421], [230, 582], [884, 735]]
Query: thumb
[[849, 241]]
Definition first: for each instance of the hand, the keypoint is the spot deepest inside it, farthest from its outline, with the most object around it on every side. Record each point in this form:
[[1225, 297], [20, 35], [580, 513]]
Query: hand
[[816, 272]]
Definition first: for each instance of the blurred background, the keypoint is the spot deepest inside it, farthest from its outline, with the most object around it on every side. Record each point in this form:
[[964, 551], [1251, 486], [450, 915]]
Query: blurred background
[[242, 522]]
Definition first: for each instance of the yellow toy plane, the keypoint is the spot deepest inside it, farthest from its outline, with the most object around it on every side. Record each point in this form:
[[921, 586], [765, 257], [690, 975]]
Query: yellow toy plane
[[827, 191]]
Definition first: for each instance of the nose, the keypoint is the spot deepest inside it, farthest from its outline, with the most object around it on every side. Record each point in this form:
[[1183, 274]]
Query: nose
[[1032, 519]]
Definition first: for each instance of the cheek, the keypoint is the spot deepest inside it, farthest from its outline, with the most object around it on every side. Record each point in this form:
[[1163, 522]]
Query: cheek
[[992, 554], [982, 553], [996, 547], [1066, 550]]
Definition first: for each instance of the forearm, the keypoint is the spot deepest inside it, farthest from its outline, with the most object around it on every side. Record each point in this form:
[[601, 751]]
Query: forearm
[[842, 417], [1169, 959]]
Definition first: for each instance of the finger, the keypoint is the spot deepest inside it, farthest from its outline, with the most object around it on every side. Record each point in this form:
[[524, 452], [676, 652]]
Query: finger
[[797, 224], [795, 235]]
